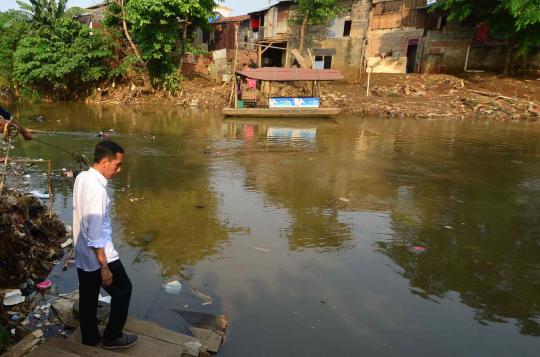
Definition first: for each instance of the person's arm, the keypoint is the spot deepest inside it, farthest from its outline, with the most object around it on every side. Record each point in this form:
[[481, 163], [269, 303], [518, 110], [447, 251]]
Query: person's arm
[[106, 275], [24, 132], [7, 116], [97, 205]]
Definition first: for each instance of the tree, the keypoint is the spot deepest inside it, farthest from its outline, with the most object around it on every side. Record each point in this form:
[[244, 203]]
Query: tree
[[156, 30], [44, 12], [64, 58], [160, 25], [315, 12], [13, 27], [515, 21]]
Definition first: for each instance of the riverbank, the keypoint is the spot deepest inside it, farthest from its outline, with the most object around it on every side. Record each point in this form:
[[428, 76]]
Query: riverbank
[[32, 239], [471, 95]]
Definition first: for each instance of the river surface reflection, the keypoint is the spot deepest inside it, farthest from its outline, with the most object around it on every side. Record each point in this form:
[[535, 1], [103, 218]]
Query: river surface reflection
[[347, 237]]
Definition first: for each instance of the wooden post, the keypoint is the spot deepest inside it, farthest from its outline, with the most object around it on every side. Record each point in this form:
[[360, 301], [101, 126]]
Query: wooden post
[[259, 56], [50, 188], [370, 69], [467, 58], [235, 84]]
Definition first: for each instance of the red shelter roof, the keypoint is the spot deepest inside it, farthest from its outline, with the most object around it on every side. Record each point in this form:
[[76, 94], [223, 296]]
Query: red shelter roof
[[278, 74]]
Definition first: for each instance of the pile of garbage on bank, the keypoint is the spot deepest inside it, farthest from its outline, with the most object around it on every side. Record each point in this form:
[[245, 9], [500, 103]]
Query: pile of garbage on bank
[[32, 242], [30, 238]]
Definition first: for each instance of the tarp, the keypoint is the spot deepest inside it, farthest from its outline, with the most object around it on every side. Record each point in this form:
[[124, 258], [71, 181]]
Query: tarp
[[278, 74]]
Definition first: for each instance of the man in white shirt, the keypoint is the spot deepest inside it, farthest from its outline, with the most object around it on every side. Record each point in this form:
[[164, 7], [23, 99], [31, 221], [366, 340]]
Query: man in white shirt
[[97, 261]]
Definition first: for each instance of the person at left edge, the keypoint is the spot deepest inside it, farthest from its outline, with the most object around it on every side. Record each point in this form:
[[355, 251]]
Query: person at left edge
[[5, 116]]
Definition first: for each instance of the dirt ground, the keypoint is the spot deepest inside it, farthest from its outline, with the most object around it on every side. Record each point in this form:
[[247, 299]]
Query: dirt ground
[[470, 95], [440, 95]]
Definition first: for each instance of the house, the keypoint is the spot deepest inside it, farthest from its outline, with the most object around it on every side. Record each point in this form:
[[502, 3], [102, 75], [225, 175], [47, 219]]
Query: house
[[224, 31], [395, 35], [339, 44], [452, 47], [94, 15]]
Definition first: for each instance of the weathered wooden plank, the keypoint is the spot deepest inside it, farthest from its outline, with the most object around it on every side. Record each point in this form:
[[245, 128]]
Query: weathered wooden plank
[[210, 340], [80, 349], [47, 351], [25, 345], [157, 332], [147, 346]]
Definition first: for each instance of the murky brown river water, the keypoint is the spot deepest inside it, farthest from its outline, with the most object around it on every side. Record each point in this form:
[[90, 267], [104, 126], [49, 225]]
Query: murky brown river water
[[304, 232]]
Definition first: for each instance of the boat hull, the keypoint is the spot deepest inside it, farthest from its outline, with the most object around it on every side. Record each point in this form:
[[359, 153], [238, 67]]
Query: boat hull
[[282, 113]]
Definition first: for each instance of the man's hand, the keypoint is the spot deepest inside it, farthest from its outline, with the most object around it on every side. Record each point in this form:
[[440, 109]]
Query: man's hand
[[25, 134], [106, 276]]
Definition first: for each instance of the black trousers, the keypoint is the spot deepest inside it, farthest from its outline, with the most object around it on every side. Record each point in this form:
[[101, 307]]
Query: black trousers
[[120, 291]]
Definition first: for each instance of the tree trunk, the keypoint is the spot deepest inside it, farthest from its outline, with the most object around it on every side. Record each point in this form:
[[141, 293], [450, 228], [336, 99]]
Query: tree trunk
[[146, 75], [509, 55], [183, 46], [508, 59], [303, 32]]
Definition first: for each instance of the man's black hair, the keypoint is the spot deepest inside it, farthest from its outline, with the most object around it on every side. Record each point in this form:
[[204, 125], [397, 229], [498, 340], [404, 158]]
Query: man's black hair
[[5, 114], [106, 149]]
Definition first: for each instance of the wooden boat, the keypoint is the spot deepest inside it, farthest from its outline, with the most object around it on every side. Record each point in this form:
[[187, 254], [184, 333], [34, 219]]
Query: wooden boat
[[281, 112], [285, 107]]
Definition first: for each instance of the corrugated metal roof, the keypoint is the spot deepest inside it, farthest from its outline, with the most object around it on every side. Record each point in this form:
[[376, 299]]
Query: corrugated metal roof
[[232, 19], [278, 74], [271, 6]]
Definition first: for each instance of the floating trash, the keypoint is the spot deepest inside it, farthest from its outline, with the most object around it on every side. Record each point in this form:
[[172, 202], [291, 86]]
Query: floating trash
[[207, 300], [39, 194], [264, 250], [173, 287]]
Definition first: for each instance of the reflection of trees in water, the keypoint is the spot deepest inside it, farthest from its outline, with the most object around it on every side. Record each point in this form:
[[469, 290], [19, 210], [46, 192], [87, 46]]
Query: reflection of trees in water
[[176, 222], [489, 251], [148, 119], [317, 228]]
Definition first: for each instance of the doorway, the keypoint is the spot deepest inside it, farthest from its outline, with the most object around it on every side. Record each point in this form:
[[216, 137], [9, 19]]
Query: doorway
[[412, 50], [274, 56]]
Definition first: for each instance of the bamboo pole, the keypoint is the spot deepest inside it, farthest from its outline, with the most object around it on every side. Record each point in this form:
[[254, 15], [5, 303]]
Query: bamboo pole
[[6, 159], [50, 188], [234, 65], [467, 58], [370, 69], [5, 165]]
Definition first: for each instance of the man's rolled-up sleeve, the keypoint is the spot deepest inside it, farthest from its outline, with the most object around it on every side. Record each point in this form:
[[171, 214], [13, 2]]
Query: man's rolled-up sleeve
[[96, 208]]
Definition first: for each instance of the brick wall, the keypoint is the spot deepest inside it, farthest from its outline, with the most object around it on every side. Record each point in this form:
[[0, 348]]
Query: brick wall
[[393, 40]]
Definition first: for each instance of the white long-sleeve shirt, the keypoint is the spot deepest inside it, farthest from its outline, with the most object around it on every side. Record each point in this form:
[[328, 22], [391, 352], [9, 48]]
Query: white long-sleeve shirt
[[91, 220]]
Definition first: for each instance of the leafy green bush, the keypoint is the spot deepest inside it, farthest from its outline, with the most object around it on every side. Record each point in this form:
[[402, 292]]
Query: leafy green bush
[[64, 58], [13, 27], [171, 82]]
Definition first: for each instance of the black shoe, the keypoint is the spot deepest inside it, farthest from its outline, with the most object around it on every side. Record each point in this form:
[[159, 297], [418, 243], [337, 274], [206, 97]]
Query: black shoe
[[122, 342]]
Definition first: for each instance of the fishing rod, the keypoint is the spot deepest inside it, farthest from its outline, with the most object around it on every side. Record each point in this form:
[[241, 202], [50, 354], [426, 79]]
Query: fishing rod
[[81, 159]]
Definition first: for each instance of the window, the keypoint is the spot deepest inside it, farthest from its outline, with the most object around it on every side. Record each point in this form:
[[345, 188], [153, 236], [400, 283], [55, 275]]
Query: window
[[347, 28], [323, 62]]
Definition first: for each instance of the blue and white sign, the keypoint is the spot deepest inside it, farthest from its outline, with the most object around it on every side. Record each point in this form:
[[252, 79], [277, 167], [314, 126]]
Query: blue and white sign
[[295, 102]]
